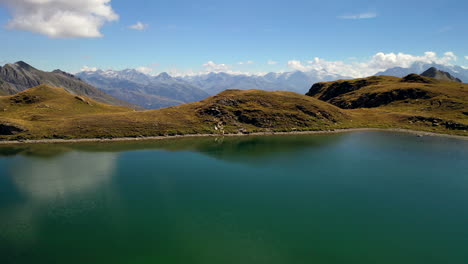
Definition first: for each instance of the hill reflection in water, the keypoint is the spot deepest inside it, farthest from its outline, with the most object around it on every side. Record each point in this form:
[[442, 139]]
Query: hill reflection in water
[[249, 149]]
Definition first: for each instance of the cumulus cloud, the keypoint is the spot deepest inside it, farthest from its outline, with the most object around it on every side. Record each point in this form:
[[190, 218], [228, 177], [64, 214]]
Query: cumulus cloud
[[145, 70], [379, 62], [88, 69], [360, 16], [246, 62], [191, 72], [272, 62], [466, 57], [213, 67], [60, 18], [139, 26]]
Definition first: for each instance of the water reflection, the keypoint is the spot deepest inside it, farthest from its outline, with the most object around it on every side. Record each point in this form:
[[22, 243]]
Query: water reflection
[[72, 172], [41, 182], [383, 196], [249, 149]]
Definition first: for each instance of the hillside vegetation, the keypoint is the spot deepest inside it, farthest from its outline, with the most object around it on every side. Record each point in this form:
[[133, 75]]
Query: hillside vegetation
[[48, 112], [413, 98], [414, 102], [37, 111]]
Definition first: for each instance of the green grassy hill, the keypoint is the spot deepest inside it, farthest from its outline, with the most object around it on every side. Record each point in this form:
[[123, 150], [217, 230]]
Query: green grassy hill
[[232, 111], [414, 99], [48, 112], [37, 111], [414, 102]]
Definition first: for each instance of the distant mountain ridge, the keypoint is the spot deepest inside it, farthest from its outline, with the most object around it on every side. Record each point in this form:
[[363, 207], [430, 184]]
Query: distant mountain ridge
[[150, 92], [419, 67], [439, 75], [20, 76], [295, 81], [164, 90]]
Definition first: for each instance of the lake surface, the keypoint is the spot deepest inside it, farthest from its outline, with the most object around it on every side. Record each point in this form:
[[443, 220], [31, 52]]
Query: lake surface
[[362, 197]]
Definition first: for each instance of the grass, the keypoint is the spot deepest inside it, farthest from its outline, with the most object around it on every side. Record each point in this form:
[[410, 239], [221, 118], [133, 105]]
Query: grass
[[400, 101], [49, 112]]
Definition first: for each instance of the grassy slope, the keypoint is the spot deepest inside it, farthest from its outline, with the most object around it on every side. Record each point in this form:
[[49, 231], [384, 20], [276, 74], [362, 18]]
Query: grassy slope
[[60, 114], [228, 112], [47, 112], [43, 108], [385, 101]]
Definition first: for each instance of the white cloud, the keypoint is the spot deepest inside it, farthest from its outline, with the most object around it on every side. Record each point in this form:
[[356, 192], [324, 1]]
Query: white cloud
[[139, 26], [145, 70], [466, 57], [379, 62], [213, 67], [60, 18], [190, 72], [272, 62], [88, 69], [246, 62], [351, 68], [360, 16]]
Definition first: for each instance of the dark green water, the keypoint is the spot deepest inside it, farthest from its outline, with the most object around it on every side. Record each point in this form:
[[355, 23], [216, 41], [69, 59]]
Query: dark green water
[[366, 197]]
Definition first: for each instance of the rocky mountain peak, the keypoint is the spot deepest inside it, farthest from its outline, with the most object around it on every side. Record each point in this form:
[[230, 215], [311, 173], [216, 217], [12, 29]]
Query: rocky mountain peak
[[164, 76], [433, 72], [23, 65], [64, 73]]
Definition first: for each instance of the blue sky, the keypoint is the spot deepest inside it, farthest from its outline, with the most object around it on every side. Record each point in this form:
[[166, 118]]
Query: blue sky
[[181, 36]]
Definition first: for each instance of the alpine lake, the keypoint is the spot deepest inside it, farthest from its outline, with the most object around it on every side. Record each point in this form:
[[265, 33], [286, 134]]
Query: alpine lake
[[358, 197]]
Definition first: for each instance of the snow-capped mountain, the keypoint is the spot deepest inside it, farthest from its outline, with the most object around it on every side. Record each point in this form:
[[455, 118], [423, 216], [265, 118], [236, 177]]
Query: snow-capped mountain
[[124, 75], [164, 90], [19, 76], [214, 83], [147, 91], [419, 67], [295, 81]]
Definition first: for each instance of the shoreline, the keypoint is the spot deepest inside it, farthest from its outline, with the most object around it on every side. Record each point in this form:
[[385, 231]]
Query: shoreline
[[122, 139]]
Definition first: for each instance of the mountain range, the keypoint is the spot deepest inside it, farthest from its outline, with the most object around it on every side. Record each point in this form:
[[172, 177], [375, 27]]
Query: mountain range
[[163, 90], [150, 92], [296, 81], [419, 67], [20, 76], [413, 102]]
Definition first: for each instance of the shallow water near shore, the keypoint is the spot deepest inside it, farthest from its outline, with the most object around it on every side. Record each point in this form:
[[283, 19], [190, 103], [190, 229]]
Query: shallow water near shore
[[360, 197]]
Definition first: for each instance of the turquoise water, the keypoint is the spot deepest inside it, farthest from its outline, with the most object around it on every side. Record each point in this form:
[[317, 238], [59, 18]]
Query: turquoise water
[[364, 197]]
